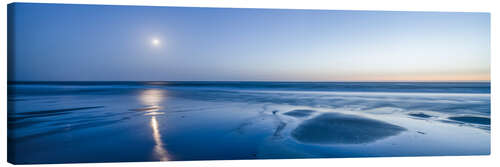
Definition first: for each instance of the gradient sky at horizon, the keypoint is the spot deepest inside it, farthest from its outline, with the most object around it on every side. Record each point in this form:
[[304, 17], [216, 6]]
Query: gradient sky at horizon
[[54, 42]]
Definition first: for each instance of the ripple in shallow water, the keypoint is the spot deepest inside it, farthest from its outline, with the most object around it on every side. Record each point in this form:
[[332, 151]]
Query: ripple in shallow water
[[472, 119], [333, 128], [299, 113], [420, 115]]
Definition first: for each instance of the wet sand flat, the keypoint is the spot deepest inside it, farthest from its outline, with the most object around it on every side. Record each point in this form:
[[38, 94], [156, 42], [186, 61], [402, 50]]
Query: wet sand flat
[[333, 128], [224, 121]]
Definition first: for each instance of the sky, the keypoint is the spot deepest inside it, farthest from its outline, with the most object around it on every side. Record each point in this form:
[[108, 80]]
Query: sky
[[55, 42]]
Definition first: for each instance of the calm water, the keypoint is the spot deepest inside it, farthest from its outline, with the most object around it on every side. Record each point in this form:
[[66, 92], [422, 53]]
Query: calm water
[[60, 122]]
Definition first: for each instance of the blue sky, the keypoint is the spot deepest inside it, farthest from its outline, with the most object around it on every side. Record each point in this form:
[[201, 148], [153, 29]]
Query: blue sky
[[51, 42]]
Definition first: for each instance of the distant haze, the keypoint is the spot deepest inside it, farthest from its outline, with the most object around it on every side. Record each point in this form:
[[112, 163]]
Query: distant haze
[[50, 42]]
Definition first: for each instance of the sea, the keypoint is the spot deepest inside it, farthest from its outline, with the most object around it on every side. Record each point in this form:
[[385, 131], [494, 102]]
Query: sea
[[88, 122]]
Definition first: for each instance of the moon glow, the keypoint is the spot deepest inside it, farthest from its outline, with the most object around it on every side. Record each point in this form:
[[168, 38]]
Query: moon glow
[[155, 42]]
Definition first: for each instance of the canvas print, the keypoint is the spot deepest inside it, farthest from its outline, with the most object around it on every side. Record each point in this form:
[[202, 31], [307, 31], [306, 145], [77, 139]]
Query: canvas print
[[104, 83]]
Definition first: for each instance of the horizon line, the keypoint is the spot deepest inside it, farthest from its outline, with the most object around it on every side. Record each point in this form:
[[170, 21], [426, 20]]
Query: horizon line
[[423, 81]]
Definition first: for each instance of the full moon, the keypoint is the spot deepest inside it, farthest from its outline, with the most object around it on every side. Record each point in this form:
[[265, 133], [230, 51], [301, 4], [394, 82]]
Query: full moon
[[155, 42]]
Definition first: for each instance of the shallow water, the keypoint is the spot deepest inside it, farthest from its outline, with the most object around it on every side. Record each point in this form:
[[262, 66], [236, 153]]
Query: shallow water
[[61, 122]]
